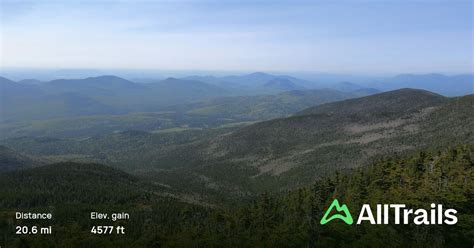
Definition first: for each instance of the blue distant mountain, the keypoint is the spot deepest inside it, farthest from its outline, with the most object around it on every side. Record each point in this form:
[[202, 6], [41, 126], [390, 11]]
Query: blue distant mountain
[[259, 83], [456, 85], [29, 81], [282, 84]]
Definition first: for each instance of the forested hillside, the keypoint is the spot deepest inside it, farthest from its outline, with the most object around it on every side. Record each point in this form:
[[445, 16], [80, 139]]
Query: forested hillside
[[430, 176], [67, 183], [291, 152]]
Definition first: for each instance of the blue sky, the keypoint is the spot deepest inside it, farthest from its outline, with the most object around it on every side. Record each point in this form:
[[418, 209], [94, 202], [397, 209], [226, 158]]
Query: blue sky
[[321, 36]]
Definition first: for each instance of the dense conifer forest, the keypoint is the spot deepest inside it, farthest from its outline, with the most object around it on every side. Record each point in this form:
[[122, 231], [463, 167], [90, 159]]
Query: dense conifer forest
[[430, 176]]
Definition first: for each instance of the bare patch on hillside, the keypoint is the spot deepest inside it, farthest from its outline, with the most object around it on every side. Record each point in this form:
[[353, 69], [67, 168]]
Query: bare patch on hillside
[[407, 123], [276, 167], [367, 138], [215, 149], [360, 128]]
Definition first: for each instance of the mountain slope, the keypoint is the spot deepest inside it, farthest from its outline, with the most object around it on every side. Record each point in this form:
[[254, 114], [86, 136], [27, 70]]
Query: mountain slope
[[294, 151], [442, 176], [69, 183], [393, 103], [325, 122]]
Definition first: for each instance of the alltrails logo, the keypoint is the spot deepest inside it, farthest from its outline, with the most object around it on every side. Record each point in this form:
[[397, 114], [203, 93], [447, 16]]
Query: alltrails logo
[[401, 215], [347, 217]]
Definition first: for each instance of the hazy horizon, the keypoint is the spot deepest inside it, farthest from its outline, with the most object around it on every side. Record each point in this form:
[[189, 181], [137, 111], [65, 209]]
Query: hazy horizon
[[348, 37], [47, 74]]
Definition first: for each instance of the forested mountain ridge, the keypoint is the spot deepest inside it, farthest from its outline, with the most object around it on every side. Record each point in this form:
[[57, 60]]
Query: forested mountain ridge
[[333, 121], [293, 151], [392, 103]]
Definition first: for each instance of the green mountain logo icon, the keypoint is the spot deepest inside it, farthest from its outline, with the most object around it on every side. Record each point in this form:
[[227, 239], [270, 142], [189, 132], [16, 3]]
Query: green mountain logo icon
[[347, 217]]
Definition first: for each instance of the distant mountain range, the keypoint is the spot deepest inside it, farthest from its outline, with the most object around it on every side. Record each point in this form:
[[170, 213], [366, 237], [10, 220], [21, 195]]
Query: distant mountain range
[[456, 85], [97, 95], [259, 83], [33, 99]]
